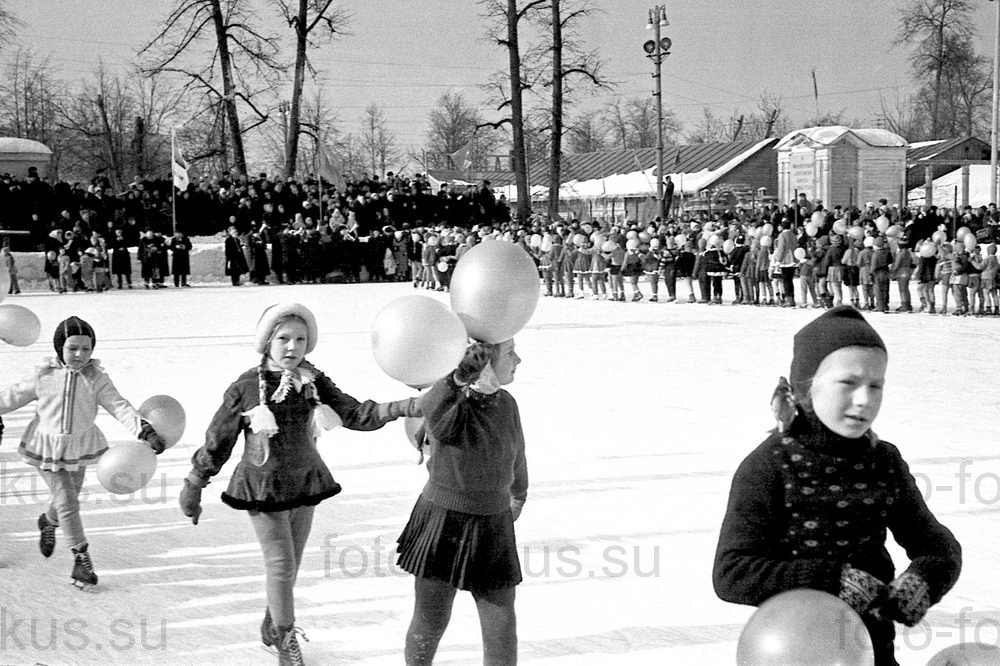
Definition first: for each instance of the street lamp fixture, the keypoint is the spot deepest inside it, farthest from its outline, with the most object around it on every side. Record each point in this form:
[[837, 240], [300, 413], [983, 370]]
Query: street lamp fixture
[[657, 50]]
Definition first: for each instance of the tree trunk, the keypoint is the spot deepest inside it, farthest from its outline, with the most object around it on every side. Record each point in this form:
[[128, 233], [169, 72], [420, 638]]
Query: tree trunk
[[295, 114], [938, 75], [116, 170], [228, 89], [517, 114], [557, 112]]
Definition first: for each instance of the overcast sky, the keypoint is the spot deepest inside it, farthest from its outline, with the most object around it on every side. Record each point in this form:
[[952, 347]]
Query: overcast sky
[[404, 54]]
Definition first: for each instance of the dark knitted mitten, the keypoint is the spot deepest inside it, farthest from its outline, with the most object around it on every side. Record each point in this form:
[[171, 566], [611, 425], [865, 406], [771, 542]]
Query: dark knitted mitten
[[477, 357], [149, 435], [909, 599], [190, 500], [859, 589], [1, 427]]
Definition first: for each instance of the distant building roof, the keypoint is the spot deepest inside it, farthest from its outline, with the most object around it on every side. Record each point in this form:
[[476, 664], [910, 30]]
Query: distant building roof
[[834, 133], [676, 160], [928, 150], [632, 173], [14, 145]]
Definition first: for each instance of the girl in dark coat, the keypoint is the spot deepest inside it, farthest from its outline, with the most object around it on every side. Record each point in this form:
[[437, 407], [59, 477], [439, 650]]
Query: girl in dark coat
[[281, 406]]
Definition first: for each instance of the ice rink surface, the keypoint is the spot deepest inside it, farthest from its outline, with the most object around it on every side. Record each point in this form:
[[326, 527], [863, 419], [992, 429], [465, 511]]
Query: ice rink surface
[[635, 415]]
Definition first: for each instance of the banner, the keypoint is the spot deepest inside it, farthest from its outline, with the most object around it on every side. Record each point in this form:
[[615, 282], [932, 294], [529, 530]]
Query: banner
[[462, 158], [331, 168], [178, 165]]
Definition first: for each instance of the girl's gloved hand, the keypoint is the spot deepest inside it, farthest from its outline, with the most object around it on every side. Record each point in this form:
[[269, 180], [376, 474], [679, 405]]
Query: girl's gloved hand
[[909, 599], [477, 357], [153, 438], [860, 590], [190, 501]]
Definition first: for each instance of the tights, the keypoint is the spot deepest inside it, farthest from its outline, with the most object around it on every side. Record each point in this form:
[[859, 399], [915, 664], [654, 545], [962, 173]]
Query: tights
[[432, 611]]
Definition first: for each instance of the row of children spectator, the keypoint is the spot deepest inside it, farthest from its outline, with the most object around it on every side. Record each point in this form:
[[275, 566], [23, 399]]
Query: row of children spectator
[[823, 267]]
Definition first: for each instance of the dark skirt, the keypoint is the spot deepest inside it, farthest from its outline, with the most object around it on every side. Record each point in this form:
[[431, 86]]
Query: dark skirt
[[469, 551], [852, 276]]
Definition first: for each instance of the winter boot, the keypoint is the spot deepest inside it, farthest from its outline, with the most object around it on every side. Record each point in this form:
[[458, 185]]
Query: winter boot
[[46, 536], [83, 569], [289, 653]]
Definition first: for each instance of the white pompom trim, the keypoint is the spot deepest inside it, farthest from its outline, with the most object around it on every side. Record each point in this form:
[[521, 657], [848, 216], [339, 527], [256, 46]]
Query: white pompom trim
[[324, 418], [262, 420]]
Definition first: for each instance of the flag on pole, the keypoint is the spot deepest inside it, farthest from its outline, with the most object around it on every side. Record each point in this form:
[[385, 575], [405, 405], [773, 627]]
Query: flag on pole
[[178, 164], [330, 167], [462, 158]]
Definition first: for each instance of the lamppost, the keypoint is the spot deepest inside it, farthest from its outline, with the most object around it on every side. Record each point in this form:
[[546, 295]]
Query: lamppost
[[994, 177], [657, 50]]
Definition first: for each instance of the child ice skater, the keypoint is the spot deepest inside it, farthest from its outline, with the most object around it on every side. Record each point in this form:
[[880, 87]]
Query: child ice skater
[[62, 440], [281, 406], [460, 535], [811, 505], [11, 267]]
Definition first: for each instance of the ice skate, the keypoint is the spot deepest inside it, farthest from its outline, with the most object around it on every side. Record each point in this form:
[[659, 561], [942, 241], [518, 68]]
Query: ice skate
[[46, 536], [289, 652], [83, 574]]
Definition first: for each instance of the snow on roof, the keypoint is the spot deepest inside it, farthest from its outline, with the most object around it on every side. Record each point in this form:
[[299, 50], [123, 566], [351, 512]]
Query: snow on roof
[[834, 133], [14, 145], [640, 183]]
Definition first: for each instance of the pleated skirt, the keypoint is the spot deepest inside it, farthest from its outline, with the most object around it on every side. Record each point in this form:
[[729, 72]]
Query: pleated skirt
[[469, 551]]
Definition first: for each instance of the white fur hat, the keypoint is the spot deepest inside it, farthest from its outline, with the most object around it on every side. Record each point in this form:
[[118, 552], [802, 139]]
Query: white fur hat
[[274, 314]]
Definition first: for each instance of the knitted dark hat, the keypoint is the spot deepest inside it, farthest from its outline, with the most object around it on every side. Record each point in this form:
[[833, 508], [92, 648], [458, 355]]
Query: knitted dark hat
[[68, 328], [839, 327]]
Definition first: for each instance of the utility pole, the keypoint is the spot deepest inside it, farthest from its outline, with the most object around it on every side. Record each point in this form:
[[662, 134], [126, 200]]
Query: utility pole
[[657, 50], [283, 109], [994, 176]]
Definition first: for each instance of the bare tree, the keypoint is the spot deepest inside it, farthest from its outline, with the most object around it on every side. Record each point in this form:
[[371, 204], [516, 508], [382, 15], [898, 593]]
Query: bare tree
[[453, 123], [154, 104], [903, 116], [587, 133], [504, 21], [569, 64], [9, 23], [377, 141], [245, 59], [314, 22], [28, 97], [709, 129], [633, 122], [353, 154], [967, 85], [927, 27]]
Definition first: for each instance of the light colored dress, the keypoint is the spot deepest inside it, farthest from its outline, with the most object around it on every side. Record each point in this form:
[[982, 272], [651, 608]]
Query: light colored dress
[[62, 436]]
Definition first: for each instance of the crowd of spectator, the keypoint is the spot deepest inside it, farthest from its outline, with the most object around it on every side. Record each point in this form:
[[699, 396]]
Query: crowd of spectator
[[398, 228]]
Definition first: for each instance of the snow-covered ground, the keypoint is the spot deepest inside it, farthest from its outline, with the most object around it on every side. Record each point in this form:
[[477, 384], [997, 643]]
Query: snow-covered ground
[[636, 416]]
